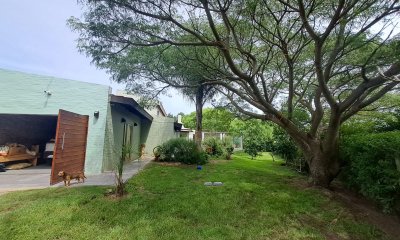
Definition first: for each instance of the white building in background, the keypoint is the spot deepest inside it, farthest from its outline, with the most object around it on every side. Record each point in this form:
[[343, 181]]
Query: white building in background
[[189, 134], [185, 132]]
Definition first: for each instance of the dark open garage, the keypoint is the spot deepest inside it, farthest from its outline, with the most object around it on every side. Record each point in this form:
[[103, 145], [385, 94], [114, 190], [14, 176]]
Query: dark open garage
[[27, 132], [46, 143]]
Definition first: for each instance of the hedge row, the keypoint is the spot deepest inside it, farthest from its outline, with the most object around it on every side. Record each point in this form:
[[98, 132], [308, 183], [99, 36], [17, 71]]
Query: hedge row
[[371, 168]]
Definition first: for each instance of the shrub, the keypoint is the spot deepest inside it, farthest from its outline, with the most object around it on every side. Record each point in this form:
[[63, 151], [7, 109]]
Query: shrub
[[255, 143], [250, 147], [213, 146], [256, 135], [284, 146], [228, 153], [181, 150], [227, 141], [371, 166], [228, 148]]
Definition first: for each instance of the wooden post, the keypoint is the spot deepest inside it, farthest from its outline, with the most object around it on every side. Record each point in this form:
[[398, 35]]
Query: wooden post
[[35, 148]]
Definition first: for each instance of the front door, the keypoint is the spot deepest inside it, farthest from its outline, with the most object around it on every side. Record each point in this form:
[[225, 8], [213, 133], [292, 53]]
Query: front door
[[70, 145]]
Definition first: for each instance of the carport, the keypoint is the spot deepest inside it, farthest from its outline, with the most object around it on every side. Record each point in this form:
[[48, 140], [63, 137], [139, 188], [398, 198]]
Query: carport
[[28, 130], [28, 178], [67, 128]]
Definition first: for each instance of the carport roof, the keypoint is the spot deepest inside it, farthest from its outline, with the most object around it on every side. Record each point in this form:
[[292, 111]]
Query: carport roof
[[130, 104]]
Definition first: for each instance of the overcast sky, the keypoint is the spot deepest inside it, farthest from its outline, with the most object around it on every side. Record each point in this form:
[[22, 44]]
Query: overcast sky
[[34, 38]]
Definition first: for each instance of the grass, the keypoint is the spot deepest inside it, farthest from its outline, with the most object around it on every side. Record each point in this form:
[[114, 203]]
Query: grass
[[257, 201]]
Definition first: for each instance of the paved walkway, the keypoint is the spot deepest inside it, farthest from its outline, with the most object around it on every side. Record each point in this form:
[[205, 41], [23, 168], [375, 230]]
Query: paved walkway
[[38, 177], [108, 178]]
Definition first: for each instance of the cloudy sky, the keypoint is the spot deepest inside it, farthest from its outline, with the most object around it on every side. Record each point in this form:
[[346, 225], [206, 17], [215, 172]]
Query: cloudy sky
[[35, 39]]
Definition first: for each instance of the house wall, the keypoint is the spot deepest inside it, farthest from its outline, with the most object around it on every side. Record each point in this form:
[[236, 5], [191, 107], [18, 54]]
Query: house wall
[[109, 156], [155, 111], [145, 130], [22, 93], [161, 130], [117, 113]]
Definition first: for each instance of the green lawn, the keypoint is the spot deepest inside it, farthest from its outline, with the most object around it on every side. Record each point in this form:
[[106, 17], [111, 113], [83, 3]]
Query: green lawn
[[257, 201]]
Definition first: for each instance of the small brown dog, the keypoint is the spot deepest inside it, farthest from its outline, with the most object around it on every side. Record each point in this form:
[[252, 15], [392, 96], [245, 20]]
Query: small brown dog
[[67, 177]]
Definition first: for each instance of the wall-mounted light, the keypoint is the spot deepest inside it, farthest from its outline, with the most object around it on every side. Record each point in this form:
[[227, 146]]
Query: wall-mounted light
[[123, 120], [96, 114], [135, 124], [47, 92]]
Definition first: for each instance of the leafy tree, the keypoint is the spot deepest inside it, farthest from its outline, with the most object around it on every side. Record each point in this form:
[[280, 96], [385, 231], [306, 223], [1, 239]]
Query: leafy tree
[[256, 134], [214, 119], [382, 116], [202, 94], [167, 71], [189, 120], [284, 145], [322, 55]]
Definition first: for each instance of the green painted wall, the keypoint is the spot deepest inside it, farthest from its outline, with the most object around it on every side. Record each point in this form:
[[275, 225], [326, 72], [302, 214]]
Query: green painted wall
[[109, 156], [114, 134], [160, 131], [145, 130], [22, 93]]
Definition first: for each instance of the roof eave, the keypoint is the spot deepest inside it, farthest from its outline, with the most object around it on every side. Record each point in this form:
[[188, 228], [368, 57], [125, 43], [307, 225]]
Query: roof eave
[[131, 104]]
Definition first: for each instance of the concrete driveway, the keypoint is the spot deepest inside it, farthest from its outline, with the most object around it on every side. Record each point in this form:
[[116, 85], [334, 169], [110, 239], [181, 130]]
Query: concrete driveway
[[28, 178], [38, 177]]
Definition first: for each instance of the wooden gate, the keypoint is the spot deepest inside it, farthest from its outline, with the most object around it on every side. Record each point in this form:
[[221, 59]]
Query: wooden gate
[[70, 146]]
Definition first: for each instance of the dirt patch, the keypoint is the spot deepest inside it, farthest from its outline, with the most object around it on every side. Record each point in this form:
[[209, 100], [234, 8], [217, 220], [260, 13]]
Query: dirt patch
[[298, 183], [311, 221], [358, 207], [110, 195], [362, 209]]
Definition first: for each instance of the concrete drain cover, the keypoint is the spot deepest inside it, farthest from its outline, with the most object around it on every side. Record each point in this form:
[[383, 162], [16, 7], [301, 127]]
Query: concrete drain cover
[[213, 184]]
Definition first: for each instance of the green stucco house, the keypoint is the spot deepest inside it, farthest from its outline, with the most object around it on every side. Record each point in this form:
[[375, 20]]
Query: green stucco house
[[35, 109]]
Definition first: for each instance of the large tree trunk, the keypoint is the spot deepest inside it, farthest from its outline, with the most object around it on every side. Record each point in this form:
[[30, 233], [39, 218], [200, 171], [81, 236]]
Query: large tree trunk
[[321, 150], [323, 161], [199, 116]]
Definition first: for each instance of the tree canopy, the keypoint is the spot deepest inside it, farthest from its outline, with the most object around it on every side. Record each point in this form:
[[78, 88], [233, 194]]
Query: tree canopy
[[214, 120], [267, 58]]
